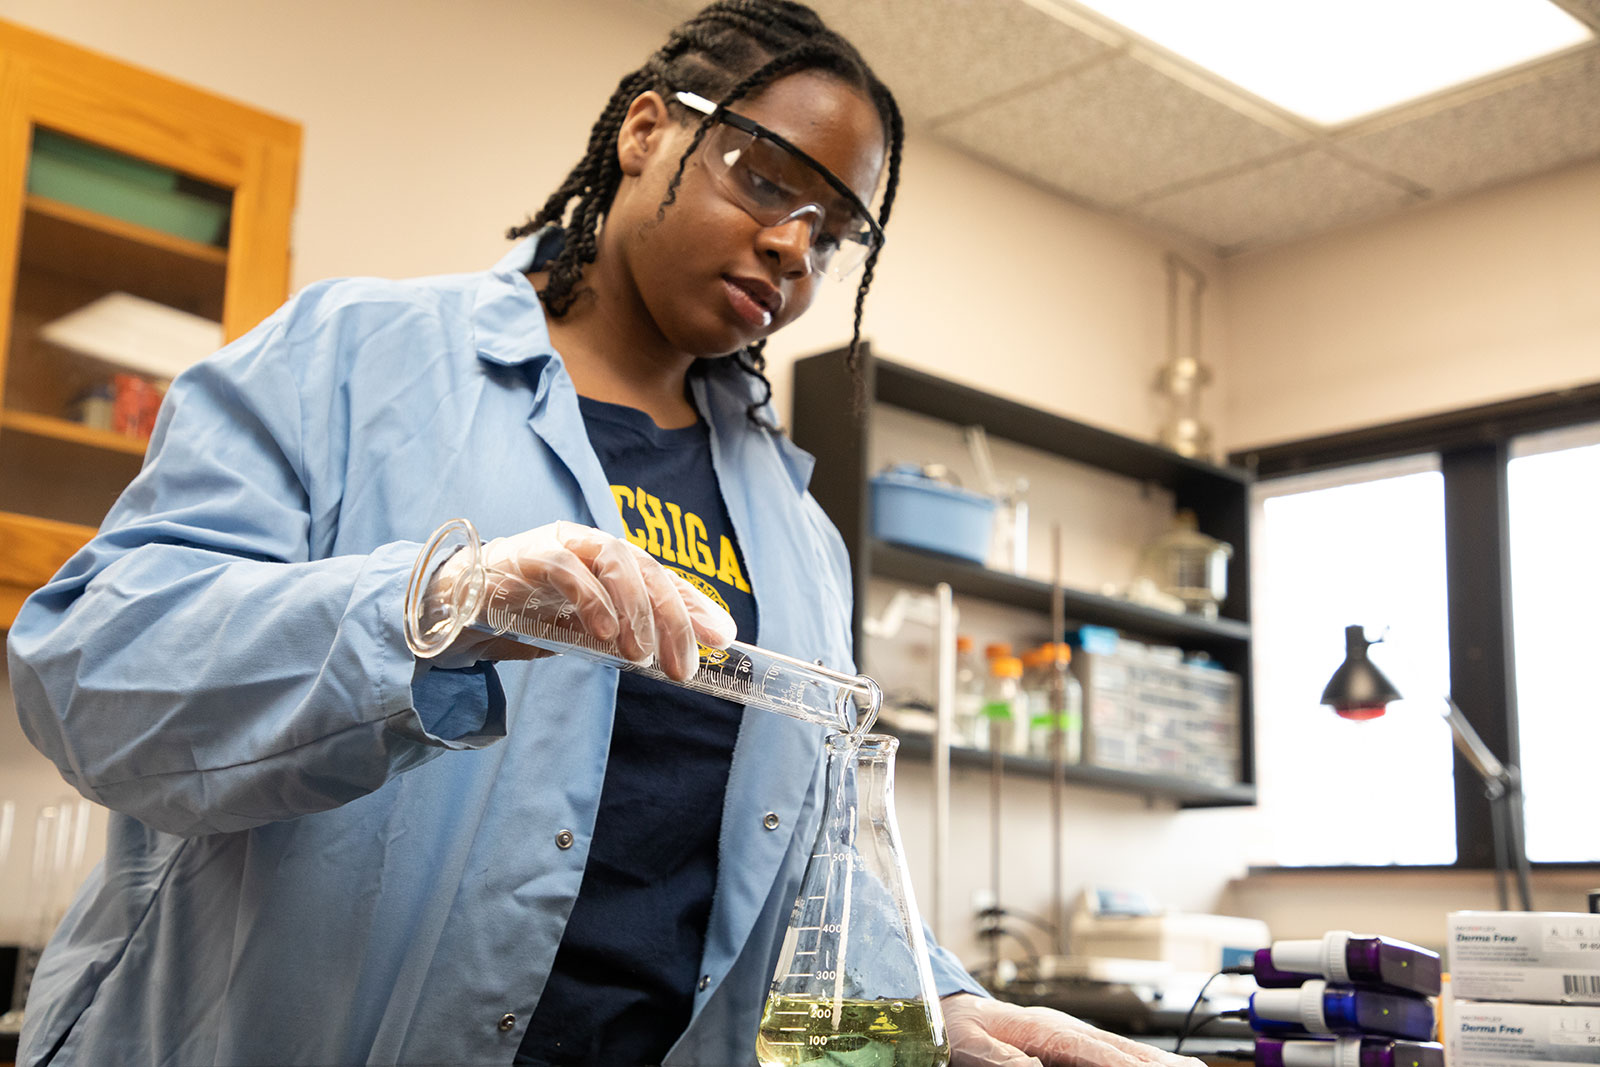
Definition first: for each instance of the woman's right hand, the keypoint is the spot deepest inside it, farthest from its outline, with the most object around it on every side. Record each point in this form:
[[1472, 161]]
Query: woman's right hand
[[617, 591]]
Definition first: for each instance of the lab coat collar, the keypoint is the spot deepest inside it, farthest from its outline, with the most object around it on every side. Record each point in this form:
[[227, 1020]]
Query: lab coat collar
[[508, 319], [512, 331], [724, 393]]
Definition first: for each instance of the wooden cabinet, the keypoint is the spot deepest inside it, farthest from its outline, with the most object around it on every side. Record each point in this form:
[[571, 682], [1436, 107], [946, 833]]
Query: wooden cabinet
[[824, 425], [59, 473]]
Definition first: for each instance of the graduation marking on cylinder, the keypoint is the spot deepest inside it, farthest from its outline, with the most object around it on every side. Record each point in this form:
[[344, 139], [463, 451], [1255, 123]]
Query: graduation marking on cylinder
[[506, 605]]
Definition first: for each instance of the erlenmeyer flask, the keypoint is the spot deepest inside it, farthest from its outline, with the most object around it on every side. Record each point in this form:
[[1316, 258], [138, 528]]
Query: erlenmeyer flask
[[853, 987]]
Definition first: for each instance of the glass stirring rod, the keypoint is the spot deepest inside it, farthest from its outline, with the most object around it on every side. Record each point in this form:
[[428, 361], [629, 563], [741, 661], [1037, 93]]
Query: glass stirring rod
[[505, 605]]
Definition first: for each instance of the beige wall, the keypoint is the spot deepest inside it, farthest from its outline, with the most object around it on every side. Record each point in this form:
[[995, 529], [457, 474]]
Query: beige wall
[[1484, 298], [430, 126]]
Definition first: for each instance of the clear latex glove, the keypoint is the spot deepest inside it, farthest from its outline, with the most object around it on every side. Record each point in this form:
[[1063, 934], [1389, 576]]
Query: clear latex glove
[[992, 1033], [617, 590]]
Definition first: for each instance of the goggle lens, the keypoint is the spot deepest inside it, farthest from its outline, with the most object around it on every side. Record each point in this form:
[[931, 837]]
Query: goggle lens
[[774, 187]]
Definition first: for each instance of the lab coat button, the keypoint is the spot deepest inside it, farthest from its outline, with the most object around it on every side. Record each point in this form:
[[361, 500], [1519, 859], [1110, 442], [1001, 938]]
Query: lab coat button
[[771, 821], [507, 1021], [705, 982], [564, 839]]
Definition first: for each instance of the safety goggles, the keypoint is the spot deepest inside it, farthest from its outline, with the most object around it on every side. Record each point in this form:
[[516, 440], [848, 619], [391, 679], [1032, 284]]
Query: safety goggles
[[775, 183]]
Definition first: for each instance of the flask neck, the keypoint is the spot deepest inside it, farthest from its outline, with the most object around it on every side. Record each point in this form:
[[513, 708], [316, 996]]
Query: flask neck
[[861, 779]]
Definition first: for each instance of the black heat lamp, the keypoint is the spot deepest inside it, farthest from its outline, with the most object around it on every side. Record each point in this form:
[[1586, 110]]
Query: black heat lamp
[[1359, 691]]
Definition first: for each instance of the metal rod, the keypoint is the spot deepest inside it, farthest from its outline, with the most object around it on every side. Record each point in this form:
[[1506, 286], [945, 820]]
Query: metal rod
[[1058, 745], [943, 725], [1489, 768], [997, 761]]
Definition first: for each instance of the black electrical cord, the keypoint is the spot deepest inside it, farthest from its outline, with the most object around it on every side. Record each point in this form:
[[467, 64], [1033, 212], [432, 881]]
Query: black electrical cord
[[1193, 1031], [1185, 1031]]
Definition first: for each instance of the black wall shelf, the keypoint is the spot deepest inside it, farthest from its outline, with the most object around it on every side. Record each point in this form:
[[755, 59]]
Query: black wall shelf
[[969, 579], [828, 425], [1188, 794]]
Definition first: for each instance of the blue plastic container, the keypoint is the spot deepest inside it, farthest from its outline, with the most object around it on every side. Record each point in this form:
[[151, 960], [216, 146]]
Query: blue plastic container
[[909, 508]]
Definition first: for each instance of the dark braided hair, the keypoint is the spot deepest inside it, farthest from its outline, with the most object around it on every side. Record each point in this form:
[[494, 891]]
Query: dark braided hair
[[729, 51]]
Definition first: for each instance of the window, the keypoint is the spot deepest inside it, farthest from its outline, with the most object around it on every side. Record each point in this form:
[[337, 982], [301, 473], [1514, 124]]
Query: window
[[1360, 546], [1477, 563], [1555, 516]]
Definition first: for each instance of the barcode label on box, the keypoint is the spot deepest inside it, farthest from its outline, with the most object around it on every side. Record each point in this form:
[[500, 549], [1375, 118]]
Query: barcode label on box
[[1581, 985]]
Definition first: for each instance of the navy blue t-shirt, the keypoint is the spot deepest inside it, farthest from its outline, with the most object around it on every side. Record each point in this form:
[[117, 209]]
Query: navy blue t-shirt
[[623, 984]]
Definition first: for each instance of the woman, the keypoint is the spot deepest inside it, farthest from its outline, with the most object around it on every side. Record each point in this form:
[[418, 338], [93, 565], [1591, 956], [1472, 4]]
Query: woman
[[325, 850]]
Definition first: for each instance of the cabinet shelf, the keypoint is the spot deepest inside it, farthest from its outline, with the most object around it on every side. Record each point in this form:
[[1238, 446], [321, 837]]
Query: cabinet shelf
[[101, 254], [824, 389], [962, 405], [969, 579], [145, 236], [1188, 794], [71, 432]]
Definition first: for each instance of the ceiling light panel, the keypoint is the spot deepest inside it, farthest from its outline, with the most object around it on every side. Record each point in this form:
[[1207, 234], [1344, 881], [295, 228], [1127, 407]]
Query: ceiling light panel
[[1332, 62]]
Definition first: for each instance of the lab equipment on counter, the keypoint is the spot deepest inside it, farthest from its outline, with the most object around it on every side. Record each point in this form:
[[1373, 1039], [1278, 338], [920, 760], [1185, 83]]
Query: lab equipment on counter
[[1320, 1007], [1195, 943], [922, 507], [853, 982], [1185, 563], [1347, 1052], [504, 605], [58, 865], [1374, 962], [1147, 710]]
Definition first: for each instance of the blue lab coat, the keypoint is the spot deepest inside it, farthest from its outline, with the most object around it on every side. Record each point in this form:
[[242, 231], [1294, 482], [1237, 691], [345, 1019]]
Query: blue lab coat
[[321, 851]]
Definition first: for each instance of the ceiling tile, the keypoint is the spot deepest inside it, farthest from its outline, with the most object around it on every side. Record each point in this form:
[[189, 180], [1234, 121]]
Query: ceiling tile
[[1292, 197], [1033, 96], [1585, 10], [1545, 120], [940, 57], [1112, 133]]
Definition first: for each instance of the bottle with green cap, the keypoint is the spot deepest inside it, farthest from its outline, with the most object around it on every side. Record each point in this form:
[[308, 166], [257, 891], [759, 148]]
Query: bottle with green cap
[[1055, 687], [1005, 711]]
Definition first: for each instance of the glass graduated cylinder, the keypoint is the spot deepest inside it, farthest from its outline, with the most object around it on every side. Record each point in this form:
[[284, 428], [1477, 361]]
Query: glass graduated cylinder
[[506, 605], [853, 983]]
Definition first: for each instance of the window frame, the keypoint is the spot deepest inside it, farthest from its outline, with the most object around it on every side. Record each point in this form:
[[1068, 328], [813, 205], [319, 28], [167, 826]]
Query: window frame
[[1474, 446]]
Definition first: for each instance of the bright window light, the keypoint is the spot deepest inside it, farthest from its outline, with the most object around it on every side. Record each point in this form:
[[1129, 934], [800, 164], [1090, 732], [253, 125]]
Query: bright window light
[[1362, 546], [1332, 62], [1554, 589]]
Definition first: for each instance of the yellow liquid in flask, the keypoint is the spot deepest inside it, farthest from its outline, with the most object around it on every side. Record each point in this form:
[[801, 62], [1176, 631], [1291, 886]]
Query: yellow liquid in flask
[[798, 1031]]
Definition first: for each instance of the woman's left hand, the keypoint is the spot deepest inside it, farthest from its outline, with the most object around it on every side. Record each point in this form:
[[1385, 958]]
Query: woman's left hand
[[992, 1033]]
